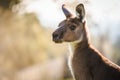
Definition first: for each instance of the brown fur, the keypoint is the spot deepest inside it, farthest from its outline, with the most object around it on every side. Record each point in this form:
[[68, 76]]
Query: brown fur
[[89, 64], [86, 62]]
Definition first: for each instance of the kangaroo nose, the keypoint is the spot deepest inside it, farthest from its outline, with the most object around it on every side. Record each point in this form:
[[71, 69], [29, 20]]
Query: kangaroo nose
[[56, 38], [55, 35]]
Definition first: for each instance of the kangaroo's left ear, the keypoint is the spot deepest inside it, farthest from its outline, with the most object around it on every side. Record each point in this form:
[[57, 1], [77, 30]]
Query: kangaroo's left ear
[[80, 12]]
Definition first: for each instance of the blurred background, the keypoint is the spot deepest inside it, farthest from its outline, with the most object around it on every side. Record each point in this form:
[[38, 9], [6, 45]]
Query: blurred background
[[27, 51]]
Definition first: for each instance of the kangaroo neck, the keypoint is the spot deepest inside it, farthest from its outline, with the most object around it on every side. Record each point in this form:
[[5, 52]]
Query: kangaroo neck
[[81, 43], [85, 40]]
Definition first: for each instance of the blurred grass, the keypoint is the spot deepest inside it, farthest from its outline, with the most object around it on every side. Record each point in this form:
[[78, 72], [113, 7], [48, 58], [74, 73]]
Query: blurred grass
[[25, 36], [24, 42]]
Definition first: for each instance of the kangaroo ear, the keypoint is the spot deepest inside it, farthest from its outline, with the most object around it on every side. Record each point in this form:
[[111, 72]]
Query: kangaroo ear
[[67, 13], [80, 12]]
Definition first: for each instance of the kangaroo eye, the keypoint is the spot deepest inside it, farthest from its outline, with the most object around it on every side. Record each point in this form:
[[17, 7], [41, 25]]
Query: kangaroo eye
[[72, 27]]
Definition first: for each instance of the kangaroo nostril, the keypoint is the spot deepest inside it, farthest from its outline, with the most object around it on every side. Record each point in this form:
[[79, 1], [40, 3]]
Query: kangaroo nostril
[[55, 35]]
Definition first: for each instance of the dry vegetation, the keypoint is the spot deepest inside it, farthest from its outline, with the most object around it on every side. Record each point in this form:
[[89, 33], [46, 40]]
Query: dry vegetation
[[23, 43]]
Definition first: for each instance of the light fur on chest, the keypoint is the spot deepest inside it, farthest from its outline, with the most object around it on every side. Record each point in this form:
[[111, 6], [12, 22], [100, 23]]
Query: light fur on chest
[[71, 47]]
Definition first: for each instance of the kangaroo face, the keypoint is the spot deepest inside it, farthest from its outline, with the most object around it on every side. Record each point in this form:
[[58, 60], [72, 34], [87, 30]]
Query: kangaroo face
[[71, 28]]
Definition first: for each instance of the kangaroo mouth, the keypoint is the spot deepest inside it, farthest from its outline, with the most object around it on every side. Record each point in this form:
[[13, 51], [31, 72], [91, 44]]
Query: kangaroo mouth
[[57, 40]]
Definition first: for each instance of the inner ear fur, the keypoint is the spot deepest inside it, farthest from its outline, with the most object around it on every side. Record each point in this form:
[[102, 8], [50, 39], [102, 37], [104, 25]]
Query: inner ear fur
[[80, 11]]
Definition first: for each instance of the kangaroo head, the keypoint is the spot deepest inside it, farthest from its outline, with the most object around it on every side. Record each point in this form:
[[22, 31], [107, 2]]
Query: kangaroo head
[[72, 28]]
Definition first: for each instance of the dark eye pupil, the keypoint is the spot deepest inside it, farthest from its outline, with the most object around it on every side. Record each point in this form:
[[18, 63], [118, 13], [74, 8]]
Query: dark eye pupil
[[72, 27]]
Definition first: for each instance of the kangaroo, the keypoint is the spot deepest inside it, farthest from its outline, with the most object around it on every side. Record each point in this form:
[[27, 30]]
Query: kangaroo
[[85, 62]]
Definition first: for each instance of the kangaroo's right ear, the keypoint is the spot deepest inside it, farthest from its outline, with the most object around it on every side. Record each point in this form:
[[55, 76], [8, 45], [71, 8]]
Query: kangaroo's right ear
[[80, 11], [67, 13]]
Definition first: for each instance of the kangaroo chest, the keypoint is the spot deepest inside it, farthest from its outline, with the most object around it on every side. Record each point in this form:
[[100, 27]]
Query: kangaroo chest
[[77, 64]]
